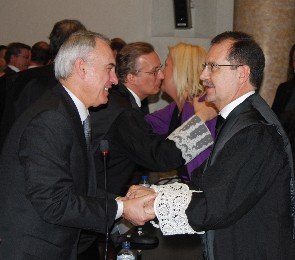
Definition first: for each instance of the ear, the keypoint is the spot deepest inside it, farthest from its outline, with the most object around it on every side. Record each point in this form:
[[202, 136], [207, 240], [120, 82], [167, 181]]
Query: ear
[[80, 68], [130, 78], [244, 73]]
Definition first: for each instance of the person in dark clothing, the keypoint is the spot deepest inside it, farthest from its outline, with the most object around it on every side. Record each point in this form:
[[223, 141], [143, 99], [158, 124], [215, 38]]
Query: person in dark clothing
[[122, 123], [40, 54], [241, 201], [51, 200], [26, 87], [284, 102]]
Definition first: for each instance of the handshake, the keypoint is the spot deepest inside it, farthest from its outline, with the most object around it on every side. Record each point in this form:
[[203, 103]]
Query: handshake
[[139, 205]]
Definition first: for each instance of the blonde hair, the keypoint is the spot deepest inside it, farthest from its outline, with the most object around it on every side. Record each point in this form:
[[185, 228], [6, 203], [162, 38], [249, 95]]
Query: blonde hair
[[187, 63]]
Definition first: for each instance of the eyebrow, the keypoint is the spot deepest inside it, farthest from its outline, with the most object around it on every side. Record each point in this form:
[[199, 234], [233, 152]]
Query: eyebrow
[[156, 67], [111, 64]]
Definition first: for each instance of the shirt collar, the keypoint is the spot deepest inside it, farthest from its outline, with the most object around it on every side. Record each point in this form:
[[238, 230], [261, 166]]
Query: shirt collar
[[82, 110], [137, 99], [14, 68], [32, 66], [231, 106]]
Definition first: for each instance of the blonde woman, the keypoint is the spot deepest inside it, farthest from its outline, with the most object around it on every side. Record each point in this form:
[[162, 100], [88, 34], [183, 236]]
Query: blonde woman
[[182, 71]]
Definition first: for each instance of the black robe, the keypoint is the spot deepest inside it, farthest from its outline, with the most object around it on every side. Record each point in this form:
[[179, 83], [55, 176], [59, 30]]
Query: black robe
[[245, 204]]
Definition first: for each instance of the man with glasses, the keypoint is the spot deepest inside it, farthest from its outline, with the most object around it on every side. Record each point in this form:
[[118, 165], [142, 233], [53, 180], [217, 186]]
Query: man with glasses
[[122, 123], [241, 201]]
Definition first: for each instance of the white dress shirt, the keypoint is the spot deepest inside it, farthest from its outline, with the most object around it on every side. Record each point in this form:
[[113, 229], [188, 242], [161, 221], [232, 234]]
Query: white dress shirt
[[231, 106], [13, 68], [137, 99]]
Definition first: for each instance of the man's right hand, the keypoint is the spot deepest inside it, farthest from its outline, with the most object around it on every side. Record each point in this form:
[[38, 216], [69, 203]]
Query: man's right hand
[[135, 212]]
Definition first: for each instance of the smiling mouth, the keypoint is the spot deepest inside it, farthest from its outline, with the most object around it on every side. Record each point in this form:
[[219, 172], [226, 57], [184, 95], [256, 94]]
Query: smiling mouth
[[106, 89]]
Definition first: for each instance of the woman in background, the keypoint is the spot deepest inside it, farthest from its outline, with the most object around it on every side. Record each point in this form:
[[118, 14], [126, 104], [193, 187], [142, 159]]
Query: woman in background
[[182, 71]]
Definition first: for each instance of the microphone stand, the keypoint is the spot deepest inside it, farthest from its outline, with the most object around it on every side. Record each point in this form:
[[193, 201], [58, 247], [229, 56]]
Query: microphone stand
[[104, 149]]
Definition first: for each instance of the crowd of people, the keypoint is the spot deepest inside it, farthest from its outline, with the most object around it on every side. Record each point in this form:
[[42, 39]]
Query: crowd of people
[[60, 100]]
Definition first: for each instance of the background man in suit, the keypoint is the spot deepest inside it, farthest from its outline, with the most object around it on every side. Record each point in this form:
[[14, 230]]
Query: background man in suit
[[241, 200], [122, 123], [40, 55], [27, 86], [47, 191], [17, 57]]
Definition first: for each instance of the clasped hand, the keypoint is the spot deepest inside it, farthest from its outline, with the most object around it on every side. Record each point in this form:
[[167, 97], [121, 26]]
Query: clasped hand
[[139, 205]]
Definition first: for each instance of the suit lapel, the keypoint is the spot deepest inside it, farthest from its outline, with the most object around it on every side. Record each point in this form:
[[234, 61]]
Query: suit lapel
[[130, 97], [74, 115], [226, 130]]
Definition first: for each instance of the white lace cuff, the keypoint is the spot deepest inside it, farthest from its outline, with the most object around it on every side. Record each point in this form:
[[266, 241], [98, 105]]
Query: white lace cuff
[[192, 138], [170, 205]]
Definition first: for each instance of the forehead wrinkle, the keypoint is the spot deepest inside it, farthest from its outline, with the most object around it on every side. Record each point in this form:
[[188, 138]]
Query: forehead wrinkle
[[147, 62], [103, 54]]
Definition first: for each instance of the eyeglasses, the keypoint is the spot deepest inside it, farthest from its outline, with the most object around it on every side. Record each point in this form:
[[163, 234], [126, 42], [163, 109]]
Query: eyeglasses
[[154, 72], [213, 66], [24, 57]]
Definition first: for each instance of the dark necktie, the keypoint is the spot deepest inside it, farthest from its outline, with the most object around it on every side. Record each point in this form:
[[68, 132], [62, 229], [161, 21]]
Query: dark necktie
[[219, 122], [87, 131]]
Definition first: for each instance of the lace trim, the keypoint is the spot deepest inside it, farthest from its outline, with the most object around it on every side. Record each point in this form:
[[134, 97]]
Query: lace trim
[[192, 138], [170, 205]]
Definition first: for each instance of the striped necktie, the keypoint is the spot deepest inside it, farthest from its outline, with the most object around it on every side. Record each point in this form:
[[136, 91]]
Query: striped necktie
[[87, 131]]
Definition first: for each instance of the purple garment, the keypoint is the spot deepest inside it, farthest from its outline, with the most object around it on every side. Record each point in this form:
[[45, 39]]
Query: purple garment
[[160, 121]]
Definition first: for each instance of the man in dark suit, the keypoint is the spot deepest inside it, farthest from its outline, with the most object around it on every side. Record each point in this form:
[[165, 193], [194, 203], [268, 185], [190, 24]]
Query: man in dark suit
[[27, 86], [122, 123], [17, 57], [240, 202], [40, 54], [47, 189]]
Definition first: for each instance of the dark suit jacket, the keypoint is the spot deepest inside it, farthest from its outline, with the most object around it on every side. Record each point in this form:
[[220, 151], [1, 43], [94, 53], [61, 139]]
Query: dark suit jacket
[[8, 71], [283, 96], [47, 191], [2, 94], [131, 141], [284, 107], [24, 89], [245, 204]]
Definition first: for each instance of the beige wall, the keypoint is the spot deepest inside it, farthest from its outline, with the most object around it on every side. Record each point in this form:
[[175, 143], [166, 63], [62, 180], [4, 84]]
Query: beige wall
[[30, 21]]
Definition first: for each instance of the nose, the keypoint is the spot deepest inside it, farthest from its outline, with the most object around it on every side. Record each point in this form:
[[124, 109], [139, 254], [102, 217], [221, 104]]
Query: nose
[[205, 74], [113, 78], [160, 74]]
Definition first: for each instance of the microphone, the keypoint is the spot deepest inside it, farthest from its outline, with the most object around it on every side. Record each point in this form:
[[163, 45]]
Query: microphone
[[104, 149]]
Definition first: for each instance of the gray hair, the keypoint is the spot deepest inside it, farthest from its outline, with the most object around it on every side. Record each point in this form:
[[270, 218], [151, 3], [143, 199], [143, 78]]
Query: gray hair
[[78, 46]]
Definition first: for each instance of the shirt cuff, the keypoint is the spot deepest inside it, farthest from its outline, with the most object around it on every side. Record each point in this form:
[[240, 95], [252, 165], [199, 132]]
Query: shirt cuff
[[120, 209]]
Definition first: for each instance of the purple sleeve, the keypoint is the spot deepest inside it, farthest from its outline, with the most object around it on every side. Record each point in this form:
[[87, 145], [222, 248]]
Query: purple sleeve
[[160, 120], [188, 111]]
